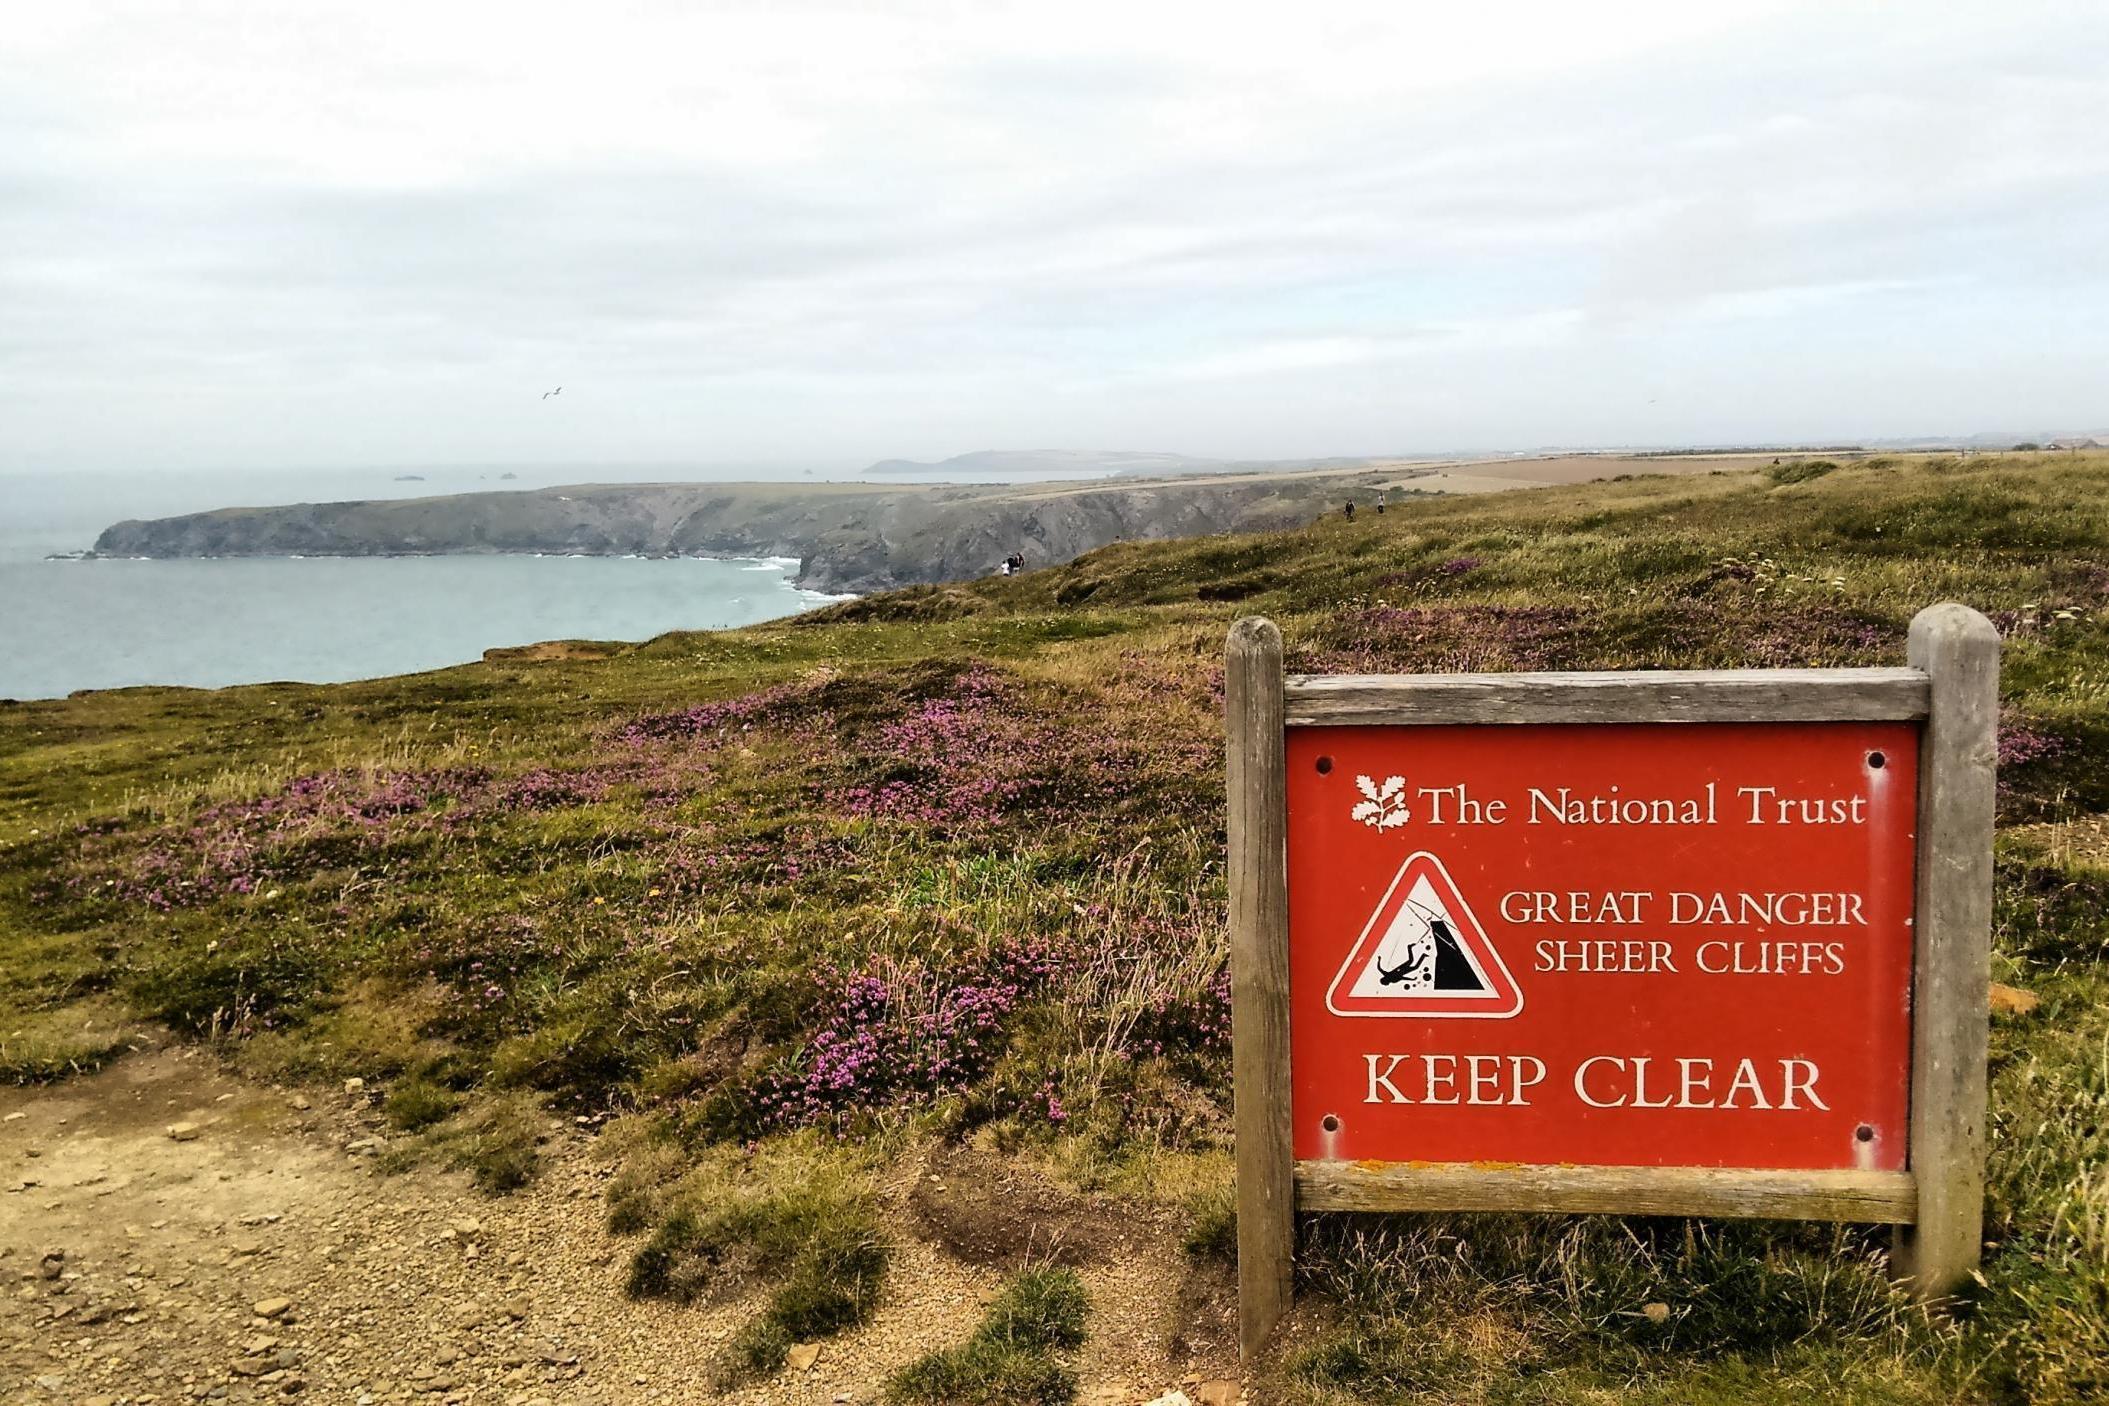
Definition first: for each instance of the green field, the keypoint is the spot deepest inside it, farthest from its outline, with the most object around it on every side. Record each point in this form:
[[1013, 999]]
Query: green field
[[948, 863]]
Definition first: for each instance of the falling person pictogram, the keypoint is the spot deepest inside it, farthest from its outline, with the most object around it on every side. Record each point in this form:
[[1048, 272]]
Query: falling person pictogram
[[1434, 959], [1424, 953]]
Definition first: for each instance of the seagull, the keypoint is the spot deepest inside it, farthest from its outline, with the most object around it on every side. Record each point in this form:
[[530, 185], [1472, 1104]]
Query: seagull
[[547, 394]]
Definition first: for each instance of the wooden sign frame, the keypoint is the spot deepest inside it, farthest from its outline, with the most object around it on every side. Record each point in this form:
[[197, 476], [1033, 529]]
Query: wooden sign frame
[[1950, 688]]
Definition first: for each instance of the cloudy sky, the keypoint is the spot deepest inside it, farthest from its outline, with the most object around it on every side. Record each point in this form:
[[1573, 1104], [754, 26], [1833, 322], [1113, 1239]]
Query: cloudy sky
[[266, 234]]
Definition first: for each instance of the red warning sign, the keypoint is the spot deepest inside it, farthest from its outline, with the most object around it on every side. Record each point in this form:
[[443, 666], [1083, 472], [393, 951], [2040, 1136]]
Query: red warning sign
[[1602, 944], [1424, 954]]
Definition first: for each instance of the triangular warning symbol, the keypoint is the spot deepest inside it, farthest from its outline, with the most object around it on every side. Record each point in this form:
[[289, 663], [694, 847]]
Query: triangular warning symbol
[[1424, 954]]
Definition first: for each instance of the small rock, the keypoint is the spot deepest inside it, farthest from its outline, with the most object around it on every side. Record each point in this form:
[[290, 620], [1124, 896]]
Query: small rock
[[2012, 1000], [299, 1101], [183, 1132], [355, 1086], [1217, 1391], [802, 1357], [1656, 1312], [1174, 1397], [271, 1308]]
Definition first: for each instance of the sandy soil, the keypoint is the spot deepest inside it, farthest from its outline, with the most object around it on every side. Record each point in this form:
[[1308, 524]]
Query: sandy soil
[[255, 1255], [1587, 468], [1445, 475]]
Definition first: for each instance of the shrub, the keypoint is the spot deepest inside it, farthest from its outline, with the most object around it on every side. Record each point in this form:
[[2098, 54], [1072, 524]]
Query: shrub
[[2046, 914], [76, 1038], [1375, 1362], [499, 1146], [983, 1374], [671, 1265], [1440, 1307], [1042, 1308], [1212, 1231], [500, 1164], [233, 987], [416, 1104], [902, 1031], [833, 1284], [1012, 1356], [1801, 470], [815, 1238]]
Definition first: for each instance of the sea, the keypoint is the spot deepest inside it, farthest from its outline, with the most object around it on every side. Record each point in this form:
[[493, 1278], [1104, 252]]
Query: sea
[[68, 624]]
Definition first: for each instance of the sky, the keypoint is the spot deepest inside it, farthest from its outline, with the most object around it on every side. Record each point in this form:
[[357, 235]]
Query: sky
[[258, 235]]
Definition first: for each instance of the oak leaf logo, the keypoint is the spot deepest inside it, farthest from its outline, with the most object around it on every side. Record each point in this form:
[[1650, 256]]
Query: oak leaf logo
[[1381, 807]]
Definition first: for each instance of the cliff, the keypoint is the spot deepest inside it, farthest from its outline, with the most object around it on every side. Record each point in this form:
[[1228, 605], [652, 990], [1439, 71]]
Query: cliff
[[846, 537]]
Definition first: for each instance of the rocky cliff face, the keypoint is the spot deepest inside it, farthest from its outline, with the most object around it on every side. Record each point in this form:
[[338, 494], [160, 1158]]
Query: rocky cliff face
[[846, 537]]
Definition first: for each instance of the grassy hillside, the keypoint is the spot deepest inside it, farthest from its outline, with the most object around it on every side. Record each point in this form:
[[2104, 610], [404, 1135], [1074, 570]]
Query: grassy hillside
[[948, 863]]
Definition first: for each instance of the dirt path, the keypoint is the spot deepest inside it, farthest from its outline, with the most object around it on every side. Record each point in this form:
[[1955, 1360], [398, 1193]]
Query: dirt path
[[256, 1256]]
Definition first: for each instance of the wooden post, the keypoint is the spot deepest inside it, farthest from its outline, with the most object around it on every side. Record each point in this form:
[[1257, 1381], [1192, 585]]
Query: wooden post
[[1259, 979], [1959, 651]]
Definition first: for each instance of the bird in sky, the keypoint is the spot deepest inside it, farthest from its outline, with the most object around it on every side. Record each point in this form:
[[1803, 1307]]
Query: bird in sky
[[547, 394]]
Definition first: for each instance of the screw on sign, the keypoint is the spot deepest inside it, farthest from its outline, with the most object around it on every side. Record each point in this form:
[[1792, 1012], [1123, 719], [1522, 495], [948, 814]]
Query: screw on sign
[[1674, 943]]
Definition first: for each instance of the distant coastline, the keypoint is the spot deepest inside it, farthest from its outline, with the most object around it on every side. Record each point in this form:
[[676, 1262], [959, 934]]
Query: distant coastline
[[844, 538], [852, 538]]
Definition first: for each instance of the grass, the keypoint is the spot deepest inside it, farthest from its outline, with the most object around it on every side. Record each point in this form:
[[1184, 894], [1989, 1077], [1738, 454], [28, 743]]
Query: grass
[[39, 1046], [793, 1219], [1015, 1355], [948, 862], [497, 1146], [1212, 1223], [416, 1104], [1433, 1305]]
